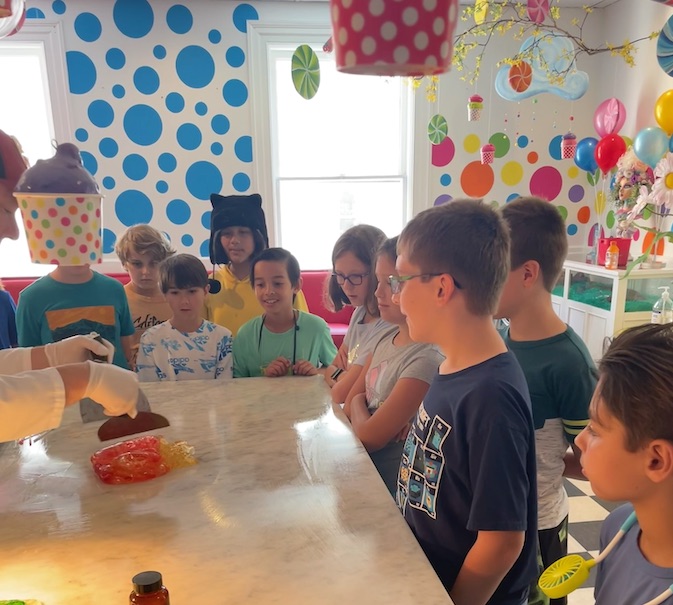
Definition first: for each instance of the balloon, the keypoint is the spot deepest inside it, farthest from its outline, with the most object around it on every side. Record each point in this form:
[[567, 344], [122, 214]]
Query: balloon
[[608, 150], [663, 112], [609, 117], [584, 154], [670, 145], [650, 145]]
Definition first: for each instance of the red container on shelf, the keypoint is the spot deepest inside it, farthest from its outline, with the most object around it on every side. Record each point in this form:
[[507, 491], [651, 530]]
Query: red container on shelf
[[624, 245]]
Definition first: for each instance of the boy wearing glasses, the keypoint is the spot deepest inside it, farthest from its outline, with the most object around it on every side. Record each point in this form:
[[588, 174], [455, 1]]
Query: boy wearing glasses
[[559, 370], [467, 484]]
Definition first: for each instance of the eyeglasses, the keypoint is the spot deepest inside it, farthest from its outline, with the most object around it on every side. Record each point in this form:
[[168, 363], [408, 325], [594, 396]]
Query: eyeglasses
[[354, 278], [396, 281]]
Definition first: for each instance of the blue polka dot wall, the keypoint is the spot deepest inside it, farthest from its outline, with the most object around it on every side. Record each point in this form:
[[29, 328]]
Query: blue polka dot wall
[[159, 102]]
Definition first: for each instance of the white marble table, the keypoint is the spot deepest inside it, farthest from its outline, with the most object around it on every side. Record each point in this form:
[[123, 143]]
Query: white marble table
[[284, 506]]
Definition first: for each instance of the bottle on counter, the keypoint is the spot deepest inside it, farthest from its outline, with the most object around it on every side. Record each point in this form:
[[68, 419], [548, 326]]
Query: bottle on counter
[[612, 256], [149, 589], [662, 311]]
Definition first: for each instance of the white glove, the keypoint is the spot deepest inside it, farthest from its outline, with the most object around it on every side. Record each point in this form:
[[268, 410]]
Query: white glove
[[114, 388], [77, 349]]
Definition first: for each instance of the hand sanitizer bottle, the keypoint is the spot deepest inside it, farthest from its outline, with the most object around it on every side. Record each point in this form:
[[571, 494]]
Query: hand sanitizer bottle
[[662, 311]]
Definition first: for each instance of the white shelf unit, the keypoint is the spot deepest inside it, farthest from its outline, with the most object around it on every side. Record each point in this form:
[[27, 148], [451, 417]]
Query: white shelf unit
[[593, 323]]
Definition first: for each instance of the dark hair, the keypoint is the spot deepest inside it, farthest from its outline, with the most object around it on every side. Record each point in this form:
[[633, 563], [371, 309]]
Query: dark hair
[[636, 383], [388, 248], [182, 271], [221, 254], [537, 232], [466, 239], [278, 255], [362, 241]]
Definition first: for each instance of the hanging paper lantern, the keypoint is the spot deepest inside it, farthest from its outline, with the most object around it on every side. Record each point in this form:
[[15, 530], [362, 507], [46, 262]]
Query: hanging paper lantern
[[538, 10], [520, 76], [305, 71], [438, 129], [385, 38]]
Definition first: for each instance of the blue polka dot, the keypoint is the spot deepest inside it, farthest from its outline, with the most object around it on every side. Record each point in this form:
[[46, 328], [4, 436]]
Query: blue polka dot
[[201, 108], [189, 136], [178, 212], [512, 196], [214, 36], [118, 91], [242, 14], [109, 240], [142, 125], [174, 102], [179, 19], [235, 56], [115, 58], [88, 27], [220, 124], [101, 114], [241, 182], [133, 18], [135, 167], [187, 240], [522, 141], [167, 162], [58, 7], [146, 80], [133, 207], [81, 134], [243, 149], [216, 149], [162, 186], [81, 72], [203, 249], [50, 244], [159, 51], [34, 13], [195, 67], [108, 147], [235, 93], [205, 219], [572, 229], [109, 182], [445, 180], [89, 162], [202, 179], [555, 147]]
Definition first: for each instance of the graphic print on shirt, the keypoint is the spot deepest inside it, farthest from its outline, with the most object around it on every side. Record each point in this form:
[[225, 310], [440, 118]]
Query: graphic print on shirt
[[64, 323], [373, 385], [422, 464]]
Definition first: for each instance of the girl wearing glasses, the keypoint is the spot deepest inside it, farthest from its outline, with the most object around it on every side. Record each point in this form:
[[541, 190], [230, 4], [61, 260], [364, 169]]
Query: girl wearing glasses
[[353, 283], [394, 380]]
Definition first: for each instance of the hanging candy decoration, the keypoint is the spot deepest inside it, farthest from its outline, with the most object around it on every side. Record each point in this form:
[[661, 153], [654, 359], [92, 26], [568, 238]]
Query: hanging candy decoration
[[665, 48], [22, 20], [520, 76], [608, 150], [328, 47], [475, 105], [438, 129], [663, 112], [667, 2], [305, 71], [487, 153], [568, 146], [480, 11], [609, 117], [11, 24], [538, 10]]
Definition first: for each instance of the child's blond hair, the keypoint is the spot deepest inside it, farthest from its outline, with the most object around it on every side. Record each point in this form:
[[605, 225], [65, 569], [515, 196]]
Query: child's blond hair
[[143, 239]]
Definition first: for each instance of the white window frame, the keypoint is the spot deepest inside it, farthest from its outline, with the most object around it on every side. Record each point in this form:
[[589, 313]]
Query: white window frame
[[261, 36]]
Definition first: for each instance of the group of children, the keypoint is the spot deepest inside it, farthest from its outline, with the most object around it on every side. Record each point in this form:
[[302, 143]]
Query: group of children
[[471, 430]]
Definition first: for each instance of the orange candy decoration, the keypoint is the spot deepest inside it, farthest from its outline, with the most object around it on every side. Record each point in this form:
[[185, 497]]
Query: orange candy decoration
[[520, 76]]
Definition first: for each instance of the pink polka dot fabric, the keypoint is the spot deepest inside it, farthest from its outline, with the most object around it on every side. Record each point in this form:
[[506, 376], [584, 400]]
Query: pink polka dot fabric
[[393, 37]]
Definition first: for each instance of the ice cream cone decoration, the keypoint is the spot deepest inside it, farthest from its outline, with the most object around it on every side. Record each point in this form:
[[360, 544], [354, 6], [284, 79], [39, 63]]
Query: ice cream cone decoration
[[568, 145], [487, 153], [475, 105]]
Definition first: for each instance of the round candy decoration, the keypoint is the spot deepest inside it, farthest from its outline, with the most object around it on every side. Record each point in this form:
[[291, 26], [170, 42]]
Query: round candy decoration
[[538, 10], [437, 129], [520, 76], [305, 71], [667, 2], [665, 47]]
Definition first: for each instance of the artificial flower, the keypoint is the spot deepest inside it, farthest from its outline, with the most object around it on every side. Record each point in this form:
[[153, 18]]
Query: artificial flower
[[662, 190]]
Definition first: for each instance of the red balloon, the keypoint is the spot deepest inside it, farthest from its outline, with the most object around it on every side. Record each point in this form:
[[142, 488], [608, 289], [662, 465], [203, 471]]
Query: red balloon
[[608, 150]]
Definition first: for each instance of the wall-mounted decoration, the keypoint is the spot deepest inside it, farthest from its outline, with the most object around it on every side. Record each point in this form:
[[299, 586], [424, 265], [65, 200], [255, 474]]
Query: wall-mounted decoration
[[305, 71]]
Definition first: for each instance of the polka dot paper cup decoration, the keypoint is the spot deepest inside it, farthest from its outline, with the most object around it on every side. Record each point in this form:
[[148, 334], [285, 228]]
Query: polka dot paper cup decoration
[[487, 153], [62, 229], [393, 37]]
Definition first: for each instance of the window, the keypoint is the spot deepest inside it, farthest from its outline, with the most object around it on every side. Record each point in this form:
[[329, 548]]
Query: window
[[335, 161], [33, 73]]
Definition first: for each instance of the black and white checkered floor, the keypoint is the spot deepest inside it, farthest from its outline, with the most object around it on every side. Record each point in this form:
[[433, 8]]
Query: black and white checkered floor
[[585, 518]]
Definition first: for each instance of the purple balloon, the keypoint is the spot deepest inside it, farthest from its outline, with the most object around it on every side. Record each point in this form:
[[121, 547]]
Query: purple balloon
[[609, 117]]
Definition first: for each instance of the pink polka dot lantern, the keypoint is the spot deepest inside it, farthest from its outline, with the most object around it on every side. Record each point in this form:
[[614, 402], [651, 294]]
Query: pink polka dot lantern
[[393, 37]]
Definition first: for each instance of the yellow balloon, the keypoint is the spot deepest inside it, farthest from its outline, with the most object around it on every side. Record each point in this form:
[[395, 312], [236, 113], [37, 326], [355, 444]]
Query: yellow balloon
[[663, 112]]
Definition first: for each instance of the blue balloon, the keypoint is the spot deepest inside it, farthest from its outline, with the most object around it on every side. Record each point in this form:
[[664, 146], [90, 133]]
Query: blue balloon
[[584, 154], [670, 145], [650, 145]]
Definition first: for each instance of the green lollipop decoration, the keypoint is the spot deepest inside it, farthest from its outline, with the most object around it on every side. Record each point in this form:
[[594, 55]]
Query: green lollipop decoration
[[305, 71]]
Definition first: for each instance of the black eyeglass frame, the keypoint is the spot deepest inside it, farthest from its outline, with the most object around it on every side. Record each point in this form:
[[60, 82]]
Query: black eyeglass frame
[[342, 279]]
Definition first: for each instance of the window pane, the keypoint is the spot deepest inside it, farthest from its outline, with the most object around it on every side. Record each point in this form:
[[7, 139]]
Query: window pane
[[313, 214], [353, 126]]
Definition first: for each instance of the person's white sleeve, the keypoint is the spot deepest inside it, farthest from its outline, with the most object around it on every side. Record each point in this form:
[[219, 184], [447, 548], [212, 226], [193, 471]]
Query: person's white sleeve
[[13, 361], [30, 402]]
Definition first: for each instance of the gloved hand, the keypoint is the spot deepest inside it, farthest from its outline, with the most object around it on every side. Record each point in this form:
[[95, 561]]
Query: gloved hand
[[114, 388], [77, 349]]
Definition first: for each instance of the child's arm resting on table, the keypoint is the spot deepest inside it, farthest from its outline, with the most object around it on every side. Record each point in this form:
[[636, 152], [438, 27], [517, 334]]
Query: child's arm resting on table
[[492, 555]]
